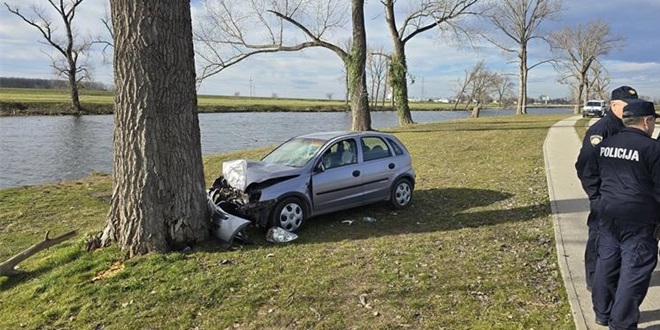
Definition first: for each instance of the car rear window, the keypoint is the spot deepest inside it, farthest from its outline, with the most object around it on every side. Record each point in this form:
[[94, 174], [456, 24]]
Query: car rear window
[[395, 147]]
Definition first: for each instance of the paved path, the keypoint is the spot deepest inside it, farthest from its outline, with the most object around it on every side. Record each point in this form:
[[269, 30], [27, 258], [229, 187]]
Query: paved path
[[569, 210]]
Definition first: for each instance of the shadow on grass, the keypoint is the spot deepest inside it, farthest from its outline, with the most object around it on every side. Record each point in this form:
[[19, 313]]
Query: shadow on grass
[[432, 210]]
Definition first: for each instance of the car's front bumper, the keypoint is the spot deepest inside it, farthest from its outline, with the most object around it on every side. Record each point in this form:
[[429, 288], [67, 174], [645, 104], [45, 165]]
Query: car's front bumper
[[592, 113]]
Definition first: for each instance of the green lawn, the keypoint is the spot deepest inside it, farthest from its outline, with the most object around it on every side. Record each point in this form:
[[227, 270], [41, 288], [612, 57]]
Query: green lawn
[[476, 250]]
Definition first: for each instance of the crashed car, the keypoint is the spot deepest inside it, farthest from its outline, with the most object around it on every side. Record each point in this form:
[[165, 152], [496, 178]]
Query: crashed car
[[316, 174]]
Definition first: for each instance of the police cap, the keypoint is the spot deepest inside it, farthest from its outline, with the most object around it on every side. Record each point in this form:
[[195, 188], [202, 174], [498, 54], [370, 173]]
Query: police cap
[[624, 92], [639, 108]]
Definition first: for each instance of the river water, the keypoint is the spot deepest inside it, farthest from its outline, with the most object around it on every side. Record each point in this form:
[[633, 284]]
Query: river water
[[42, 149]]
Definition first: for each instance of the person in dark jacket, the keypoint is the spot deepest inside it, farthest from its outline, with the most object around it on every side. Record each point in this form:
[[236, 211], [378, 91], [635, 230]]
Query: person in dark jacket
[[605, 127], [628, 164]]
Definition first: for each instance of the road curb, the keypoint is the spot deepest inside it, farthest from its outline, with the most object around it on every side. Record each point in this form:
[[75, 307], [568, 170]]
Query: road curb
[[571, 291]]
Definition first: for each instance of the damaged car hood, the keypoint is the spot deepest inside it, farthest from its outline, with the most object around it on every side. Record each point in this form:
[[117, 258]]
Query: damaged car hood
[[241, 173]]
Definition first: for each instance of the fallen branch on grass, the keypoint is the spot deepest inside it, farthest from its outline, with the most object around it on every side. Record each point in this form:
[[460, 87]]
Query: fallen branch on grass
[[7, 267]]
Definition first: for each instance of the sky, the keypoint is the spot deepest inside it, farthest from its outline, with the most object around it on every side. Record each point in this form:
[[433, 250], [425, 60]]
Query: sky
[[436, 63]]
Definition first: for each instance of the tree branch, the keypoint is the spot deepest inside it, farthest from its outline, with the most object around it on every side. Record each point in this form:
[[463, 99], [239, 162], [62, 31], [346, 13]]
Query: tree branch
[[7, 267], [316, 40]]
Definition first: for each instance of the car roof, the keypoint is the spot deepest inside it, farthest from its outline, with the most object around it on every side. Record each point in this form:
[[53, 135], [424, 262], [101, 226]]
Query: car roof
[[326, 136]]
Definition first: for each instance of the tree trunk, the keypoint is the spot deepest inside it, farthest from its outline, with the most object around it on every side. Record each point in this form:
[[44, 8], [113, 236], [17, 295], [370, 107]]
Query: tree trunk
[[373, 92], [578, 97], [398, 73], [72, 59], [347, 92], [75, 97], [356, 70], [158, 201], [398, 70], [476, 110], [375, 95], [521, 108], [384, 92], [587, 87]]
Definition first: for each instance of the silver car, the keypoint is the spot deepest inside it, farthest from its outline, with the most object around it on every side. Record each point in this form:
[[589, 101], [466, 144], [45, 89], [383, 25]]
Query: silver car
[[316, 174]]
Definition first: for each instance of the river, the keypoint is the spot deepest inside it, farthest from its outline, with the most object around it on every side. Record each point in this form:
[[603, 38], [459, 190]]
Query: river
[[43, 149]]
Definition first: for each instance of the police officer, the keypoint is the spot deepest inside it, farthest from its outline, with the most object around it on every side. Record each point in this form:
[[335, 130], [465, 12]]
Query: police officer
[[609, 125], [628, 164]]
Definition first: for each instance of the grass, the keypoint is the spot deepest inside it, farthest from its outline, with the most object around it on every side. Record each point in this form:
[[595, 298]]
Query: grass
[[581, 126], [475, 250]]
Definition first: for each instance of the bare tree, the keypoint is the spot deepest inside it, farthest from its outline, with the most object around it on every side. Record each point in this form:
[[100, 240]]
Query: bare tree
[[577, 48], [377, 71], [503, 90], [232, 31], [425, 15], [158, 200], [599, 81], [516, 23], [461, 88], [71, 49], [479, 85], [107, 40]]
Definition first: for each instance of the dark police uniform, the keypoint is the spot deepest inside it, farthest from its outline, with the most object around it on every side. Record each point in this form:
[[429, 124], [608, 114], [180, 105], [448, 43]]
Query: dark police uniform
[[628, 164], [607, 126]]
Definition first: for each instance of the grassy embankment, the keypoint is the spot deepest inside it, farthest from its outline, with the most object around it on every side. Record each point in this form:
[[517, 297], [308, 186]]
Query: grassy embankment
[[476, 250], [21, 101]]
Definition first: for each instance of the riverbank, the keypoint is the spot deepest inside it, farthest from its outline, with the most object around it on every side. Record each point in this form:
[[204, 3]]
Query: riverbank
[[48, 109], [476, 248]]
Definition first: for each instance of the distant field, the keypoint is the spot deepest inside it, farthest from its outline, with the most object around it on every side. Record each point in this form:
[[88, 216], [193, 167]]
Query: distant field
[[18, 101], [29, 95]]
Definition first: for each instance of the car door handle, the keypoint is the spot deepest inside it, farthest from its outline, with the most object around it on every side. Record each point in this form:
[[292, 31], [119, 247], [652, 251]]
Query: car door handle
[[391, 166], [356, 173]]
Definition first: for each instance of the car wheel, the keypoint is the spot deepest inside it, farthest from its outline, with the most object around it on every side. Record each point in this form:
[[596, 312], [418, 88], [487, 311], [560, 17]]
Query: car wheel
[[289, 214], [402, 192]]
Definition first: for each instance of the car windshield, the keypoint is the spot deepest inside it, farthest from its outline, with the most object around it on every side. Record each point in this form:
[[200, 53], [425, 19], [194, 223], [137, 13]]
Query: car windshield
[[593, 104], [296, 152]]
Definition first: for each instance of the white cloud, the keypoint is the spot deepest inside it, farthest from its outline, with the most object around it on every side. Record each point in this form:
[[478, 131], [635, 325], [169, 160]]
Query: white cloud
[[641, 76]]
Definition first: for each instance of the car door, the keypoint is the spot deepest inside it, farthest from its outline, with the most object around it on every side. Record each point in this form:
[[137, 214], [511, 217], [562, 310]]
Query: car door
[[377, 168], [337, 180]]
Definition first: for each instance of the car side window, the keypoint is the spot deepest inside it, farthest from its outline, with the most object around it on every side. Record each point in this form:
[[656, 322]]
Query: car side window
[[374, 147], [340, 154], [395, 147]]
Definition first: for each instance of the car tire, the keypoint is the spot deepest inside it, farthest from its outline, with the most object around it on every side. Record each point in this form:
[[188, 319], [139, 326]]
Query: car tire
[[402, 193], [289, 214]]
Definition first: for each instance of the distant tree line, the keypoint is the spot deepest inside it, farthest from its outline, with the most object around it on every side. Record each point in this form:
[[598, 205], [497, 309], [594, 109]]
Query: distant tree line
[[14, 82]]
